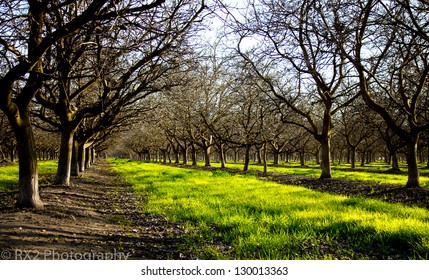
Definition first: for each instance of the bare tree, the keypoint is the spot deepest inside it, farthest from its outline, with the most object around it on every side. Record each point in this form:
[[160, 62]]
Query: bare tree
[[115, 67], [299, 68], [26, 36], [387, 46]]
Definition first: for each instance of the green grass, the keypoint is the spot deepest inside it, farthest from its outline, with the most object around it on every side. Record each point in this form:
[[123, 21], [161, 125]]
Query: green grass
[[9, 174], [370, 173], [265, 220]]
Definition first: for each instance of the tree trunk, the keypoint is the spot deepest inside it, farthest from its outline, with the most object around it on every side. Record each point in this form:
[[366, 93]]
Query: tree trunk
[[413, 169], [194, 154], [264, 157], [87, 158], [394, 160], [28, 174], [75, 159], [81, 156], [326, 159], [92, 155], [362, 163], [427, 164], [276, 157], [207, 161], [352, 152], [64, 161], [258, 155], [317, 155], [185, 153], [221, 156], [302, 157], [12, 155], [246, 158]]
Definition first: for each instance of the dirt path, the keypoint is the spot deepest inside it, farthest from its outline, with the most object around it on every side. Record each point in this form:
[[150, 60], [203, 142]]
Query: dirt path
[[94, 218]]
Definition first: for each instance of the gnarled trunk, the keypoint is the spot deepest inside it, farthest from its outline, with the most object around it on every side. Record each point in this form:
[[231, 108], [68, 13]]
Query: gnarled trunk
[[64, 161], [28, 184]]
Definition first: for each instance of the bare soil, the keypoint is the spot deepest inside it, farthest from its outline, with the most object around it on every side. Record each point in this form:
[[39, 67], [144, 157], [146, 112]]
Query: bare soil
[[96, 217]]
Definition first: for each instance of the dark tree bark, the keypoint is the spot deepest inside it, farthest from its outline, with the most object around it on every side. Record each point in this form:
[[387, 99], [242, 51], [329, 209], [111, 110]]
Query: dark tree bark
[[413, 167], [87, 158], [194, 154], [276, 157], [75, 159], [246, 158], [326, 159], [302, 157], [184, 149], [28, 174], [65, 159], [352, 150], [81, 157], [221, 155], [264, 157]]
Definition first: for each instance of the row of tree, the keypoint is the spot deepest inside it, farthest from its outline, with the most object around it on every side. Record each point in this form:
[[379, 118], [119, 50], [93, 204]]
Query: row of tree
[[325, 67], [83, 68], [307, 70], [230, 120]]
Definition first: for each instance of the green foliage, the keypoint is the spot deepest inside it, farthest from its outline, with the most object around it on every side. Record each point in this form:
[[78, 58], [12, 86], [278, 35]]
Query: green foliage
[[265, 220], [9, 174]]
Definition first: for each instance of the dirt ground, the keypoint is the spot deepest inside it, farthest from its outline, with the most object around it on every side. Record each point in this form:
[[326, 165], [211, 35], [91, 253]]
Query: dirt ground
[[93, 218]]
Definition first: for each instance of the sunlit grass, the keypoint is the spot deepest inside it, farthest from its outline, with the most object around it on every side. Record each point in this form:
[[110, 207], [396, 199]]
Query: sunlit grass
[[9, 174], [370, 173], [265, 220]]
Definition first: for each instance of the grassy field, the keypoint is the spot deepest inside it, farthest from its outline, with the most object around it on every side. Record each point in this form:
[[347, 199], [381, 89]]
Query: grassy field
[[241, 217], [370, 173], [9, 173]]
